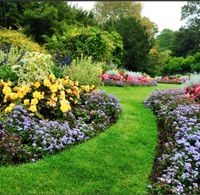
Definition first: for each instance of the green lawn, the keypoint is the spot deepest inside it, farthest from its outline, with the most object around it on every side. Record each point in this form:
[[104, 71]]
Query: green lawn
[[117, 161]]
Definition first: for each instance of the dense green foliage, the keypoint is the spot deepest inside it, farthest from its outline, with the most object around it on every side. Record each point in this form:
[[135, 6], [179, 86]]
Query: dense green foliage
[[186, 42], [19, 40], [156, 61], [42, 18], [136, 42], [91, 41], [85, 71], [165, 40], [175, 65], [118, 161]]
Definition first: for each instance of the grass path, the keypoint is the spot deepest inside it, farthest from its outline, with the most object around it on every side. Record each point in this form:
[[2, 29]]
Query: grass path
[[117, 161]]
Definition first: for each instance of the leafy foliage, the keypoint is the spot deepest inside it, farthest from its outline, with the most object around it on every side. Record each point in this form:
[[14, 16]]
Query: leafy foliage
[[85, 71], [136, 42], [90, 41], [165, 40], [18, 40]]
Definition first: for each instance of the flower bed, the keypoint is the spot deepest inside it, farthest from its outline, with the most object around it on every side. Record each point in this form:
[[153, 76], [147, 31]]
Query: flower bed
[[177, 165], [171, 80], [127, 78], [48, 116]]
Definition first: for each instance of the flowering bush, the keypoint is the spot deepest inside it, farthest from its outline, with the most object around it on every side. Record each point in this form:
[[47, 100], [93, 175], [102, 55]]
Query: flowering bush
[[33, 138], [171, 79], [193, 92], [50, 98], [123, 78], [177, 166]]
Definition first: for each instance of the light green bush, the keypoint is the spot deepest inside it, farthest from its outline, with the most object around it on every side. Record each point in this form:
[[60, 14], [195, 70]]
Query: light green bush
[[134, 74], [85, 71], [194, 79], [12, 57], [33, 67]]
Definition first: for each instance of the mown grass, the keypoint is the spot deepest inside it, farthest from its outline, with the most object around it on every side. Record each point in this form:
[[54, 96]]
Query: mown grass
[[118, 161]]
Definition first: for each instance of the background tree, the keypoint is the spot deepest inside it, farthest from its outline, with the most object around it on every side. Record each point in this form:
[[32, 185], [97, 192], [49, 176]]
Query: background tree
[[111, 11], [136, 42], [186, 42], [41, 19], [187, 39], [165, 40]]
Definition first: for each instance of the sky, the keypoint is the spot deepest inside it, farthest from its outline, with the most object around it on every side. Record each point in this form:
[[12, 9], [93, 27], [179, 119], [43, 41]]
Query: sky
[[166, 14]]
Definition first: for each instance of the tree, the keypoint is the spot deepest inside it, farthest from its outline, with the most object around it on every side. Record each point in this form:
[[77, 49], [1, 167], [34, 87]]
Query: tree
[[41, 19], [137, 42], [111, 11], [165, 40], [186, 42], [187, 39], [107, 12], [191, 12]]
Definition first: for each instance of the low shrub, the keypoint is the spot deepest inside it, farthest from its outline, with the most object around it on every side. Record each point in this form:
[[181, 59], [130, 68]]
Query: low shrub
[[85, 71]]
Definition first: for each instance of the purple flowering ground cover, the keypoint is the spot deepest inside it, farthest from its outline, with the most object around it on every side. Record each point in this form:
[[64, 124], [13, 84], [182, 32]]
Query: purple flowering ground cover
[[25, 138], [177, 165]]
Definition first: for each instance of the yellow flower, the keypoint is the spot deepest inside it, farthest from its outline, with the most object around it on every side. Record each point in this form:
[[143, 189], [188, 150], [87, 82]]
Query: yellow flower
[[7, 84], [13, 96], [75, 101], [65, 107], [71, 83], [62, 95], [69, 91], [34, 101], [16, 88], [86, 88], [92, 87], [26, 102], [51, 103], [52, 77], [20, 94], [8, 109], [46, 83], [12, 105], [38, 95], [6, 90], [76, 83], [54, 88], [33, 108], [37, 84], [25, 88]]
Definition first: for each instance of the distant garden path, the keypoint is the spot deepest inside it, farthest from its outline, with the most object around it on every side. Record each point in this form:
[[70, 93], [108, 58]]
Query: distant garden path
[[117, 161]]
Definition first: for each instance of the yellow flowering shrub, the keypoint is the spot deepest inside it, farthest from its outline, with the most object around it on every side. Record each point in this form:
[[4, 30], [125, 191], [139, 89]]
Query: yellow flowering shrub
[[51, 96], [19, 40]]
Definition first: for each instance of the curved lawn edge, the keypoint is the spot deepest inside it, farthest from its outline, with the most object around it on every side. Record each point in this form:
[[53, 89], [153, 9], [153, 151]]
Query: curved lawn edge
[[116, 161]]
